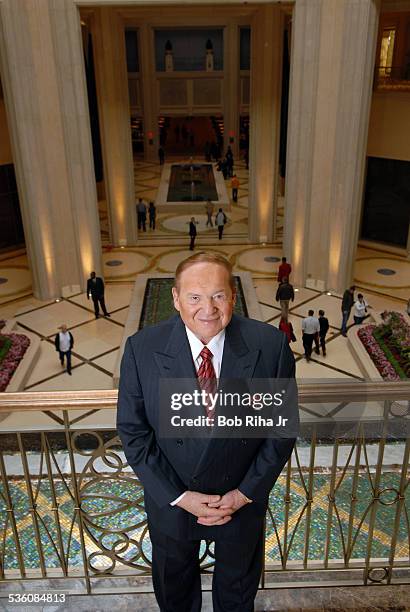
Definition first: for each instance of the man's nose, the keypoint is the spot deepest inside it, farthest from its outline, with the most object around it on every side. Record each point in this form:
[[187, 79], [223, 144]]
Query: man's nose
[[208, 306]]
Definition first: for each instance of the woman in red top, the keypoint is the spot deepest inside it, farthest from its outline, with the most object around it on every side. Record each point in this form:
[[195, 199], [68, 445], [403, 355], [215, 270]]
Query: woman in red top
[[287, 328], [284, 270]]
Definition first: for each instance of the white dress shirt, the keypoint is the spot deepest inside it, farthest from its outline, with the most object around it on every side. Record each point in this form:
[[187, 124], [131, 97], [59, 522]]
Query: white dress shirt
[[310, 325], [360, 309], [220, 219], [65, 342], [216, 346]]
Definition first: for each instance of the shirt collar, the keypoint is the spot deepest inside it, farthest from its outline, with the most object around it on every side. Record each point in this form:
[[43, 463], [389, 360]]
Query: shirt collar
[[215, 345]]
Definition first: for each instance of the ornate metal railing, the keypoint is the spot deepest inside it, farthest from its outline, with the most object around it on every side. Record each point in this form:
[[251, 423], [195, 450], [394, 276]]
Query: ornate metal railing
[[70, 507]]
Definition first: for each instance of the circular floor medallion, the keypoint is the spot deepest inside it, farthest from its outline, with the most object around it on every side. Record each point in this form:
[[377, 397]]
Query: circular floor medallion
[[272, 259], [386, 271], [114, 262], [3, 280], [368, 272]]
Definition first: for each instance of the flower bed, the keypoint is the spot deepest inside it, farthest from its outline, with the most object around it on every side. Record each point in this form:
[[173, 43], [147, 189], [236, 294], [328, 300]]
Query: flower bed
[[388, 345], [17, 347]]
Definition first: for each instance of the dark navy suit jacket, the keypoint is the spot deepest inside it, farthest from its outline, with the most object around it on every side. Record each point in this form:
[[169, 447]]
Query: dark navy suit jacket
[[168, 467], [95, 289]]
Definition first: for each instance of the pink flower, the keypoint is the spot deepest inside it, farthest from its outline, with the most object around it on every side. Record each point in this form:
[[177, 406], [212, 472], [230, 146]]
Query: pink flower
[[8, 366]]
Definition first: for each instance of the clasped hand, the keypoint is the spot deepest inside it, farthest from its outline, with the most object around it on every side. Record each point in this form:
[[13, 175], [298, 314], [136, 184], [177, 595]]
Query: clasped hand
[[213, 509]]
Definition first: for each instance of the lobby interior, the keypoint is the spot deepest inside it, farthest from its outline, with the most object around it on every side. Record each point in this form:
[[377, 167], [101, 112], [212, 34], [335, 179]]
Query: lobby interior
[[315, 93]]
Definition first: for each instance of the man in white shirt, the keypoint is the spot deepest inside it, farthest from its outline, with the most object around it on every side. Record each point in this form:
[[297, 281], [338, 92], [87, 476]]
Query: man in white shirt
[[200, 488], [360, 309], [64, 343], [310, 329]]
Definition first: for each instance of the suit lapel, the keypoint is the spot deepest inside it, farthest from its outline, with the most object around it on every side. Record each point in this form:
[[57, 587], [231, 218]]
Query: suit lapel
[[176, 359], [175, 362]]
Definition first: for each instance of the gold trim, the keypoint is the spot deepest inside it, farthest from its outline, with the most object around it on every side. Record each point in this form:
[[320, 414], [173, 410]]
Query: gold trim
[[350, 391]]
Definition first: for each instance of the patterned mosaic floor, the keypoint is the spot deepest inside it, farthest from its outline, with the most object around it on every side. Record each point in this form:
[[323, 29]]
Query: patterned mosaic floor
[[97, 342], [115, 507]]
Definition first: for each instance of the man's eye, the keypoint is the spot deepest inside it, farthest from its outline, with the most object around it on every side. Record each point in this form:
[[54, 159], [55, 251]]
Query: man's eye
[[220, 297], [194, 298]]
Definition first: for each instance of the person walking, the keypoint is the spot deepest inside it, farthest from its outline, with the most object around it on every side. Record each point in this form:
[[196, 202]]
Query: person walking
[[152, 212], [224, 168], [246, 158], [229, 161], [235, 186], [192, 233], [209, 207], [347, 303], [284, 294], [142, 215], [64, 343], [324, 328], [284, 270], [360, 309], [220, 221], [161, 156], [95, 290], [310, 327], [286, 326]]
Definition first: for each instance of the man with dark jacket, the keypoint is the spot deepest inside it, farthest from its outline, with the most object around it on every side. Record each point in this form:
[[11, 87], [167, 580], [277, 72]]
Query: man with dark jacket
[[95, 290], [284, 294], [347, 304], [192, 233], [64, 343], [196, 488], [324, 328]]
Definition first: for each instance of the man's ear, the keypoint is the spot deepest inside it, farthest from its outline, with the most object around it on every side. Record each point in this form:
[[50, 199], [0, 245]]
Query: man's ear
[[175, 297]]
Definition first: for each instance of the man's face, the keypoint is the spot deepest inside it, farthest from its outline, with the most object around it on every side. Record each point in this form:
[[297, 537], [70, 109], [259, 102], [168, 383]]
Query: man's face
[[205, 299]]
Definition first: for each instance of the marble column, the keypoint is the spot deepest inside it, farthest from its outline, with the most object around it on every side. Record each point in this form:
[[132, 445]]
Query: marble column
[[107, 30], [231, 87], [332, 60], [149, 92], [266, 59], [45, 92]]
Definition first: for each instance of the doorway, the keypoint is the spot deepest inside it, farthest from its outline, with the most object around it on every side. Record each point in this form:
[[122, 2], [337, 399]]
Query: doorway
[[196, 136]]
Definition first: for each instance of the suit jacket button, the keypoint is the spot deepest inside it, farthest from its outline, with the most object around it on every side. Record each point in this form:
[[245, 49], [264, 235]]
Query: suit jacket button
[[180, 442], [195, 480], [244, 441], [227, 478]]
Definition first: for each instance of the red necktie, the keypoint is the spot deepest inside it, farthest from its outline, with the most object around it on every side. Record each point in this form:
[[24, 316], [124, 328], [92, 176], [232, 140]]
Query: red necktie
[[207, 377]]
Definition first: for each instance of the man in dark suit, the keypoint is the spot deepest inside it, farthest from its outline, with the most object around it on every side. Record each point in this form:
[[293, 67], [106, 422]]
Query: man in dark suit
[[192, 233], [95, 290], [202, 488]]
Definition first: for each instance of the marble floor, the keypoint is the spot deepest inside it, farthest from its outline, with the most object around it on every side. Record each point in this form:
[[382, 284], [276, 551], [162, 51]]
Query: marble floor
[[393, 598], [97, 341]]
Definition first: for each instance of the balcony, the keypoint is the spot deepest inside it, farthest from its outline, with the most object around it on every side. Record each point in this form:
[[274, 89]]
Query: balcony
[[72, 511]]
